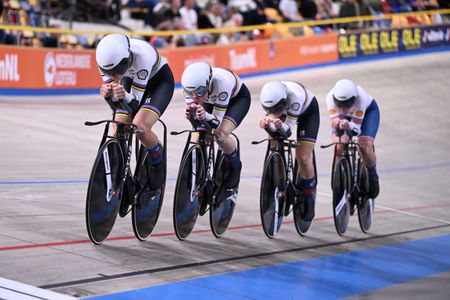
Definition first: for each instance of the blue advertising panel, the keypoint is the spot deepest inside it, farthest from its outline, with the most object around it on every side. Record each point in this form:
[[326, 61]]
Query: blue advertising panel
[[436, 36], [392, 40]]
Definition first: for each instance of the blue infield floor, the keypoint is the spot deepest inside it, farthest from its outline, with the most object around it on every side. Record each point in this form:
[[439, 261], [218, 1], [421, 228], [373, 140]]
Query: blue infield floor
[[329, 277]]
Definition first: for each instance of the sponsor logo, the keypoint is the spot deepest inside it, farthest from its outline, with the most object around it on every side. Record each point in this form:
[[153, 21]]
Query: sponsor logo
[[60, 69], [369, 43], [9, 68], [359, 113], [331, 111], [411, 38], [223, 96], [142, 74], [204, 58], [239, 61], [317, 49], [389, 41], [348, 45], [49, 69], [295, 106], [433, 35]]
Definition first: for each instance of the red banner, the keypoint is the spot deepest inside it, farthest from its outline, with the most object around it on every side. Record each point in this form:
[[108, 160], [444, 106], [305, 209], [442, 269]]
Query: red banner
[[45, 70], [29, 68]]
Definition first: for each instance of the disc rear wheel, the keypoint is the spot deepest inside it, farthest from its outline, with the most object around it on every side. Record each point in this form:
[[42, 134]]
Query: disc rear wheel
[[365, 204], [147, 203], [224, 200]]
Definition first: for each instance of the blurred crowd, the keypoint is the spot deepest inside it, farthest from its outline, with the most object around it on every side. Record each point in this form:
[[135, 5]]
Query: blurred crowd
[[164, 15]]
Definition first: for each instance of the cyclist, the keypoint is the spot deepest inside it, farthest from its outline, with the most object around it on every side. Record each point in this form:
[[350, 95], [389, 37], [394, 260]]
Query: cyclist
[[354, 111], [288, 105], [134, 72], [220, 98]]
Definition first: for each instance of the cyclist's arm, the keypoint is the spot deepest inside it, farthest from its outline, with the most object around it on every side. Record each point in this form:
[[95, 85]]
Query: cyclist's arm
[[356, 121], [284, 131], [209, 120]]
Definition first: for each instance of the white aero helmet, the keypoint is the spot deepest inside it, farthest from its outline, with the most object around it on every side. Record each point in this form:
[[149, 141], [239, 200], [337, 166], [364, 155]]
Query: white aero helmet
[[113, 54], [273, 97], [344, 93], [196, 79]]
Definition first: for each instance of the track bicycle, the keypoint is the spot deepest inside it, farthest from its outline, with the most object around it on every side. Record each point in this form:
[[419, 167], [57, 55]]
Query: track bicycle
[[113, 188], [200, 184], [350, 186], [278, 190]]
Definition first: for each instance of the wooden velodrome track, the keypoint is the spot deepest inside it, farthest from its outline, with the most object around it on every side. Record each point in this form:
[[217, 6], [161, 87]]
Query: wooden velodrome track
[[46, 154]]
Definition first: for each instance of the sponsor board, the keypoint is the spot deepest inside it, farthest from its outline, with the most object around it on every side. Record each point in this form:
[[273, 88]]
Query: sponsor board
[[392, 41], [436, 36], [30, 68], [257, 56], [48, 69]]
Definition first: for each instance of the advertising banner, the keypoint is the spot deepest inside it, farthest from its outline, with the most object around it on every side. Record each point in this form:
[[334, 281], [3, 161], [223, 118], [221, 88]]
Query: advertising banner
[[29, 68], [258, 56], [391, 41], [46, 70], [436, 36]]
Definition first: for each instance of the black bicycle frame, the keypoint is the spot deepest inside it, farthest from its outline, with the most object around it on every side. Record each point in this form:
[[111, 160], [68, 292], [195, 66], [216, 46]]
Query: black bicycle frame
[[206, 142], [349, 153]]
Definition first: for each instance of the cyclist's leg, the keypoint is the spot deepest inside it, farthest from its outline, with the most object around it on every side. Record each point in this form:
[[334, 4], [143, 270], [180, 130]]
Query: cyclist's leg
[[237, 110], [307, 130], [366, 140], [159, 92]]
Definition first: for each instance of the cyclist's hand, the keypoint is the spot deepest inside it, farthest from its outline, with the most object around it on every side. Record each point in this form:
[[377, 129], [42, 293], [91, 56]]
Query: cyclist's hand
[[200, 113], [264, 122], [118, 91], [188, 111], [335, 123], [344, 125], [277, 123], [106, 90]]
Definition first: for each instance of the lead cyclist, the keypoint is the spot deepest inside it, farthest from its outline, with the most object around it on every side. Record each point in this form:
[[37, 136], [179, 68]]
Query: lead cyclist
[[133, 71]]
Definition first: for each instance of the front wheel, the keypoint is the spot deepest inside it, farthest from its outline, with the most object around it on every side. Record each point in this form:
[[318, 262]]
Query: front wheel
[[188, 192], [104, 191], [273, 194], [147, 203], [341, 192]]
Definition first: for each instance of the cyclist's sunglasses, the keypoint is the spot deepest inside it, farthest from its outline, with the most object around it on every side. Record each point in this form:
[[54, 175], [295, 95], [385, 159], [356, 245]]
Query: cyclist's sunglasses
[[344, 104], [277, 108], [118, 70], [198, 92]]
